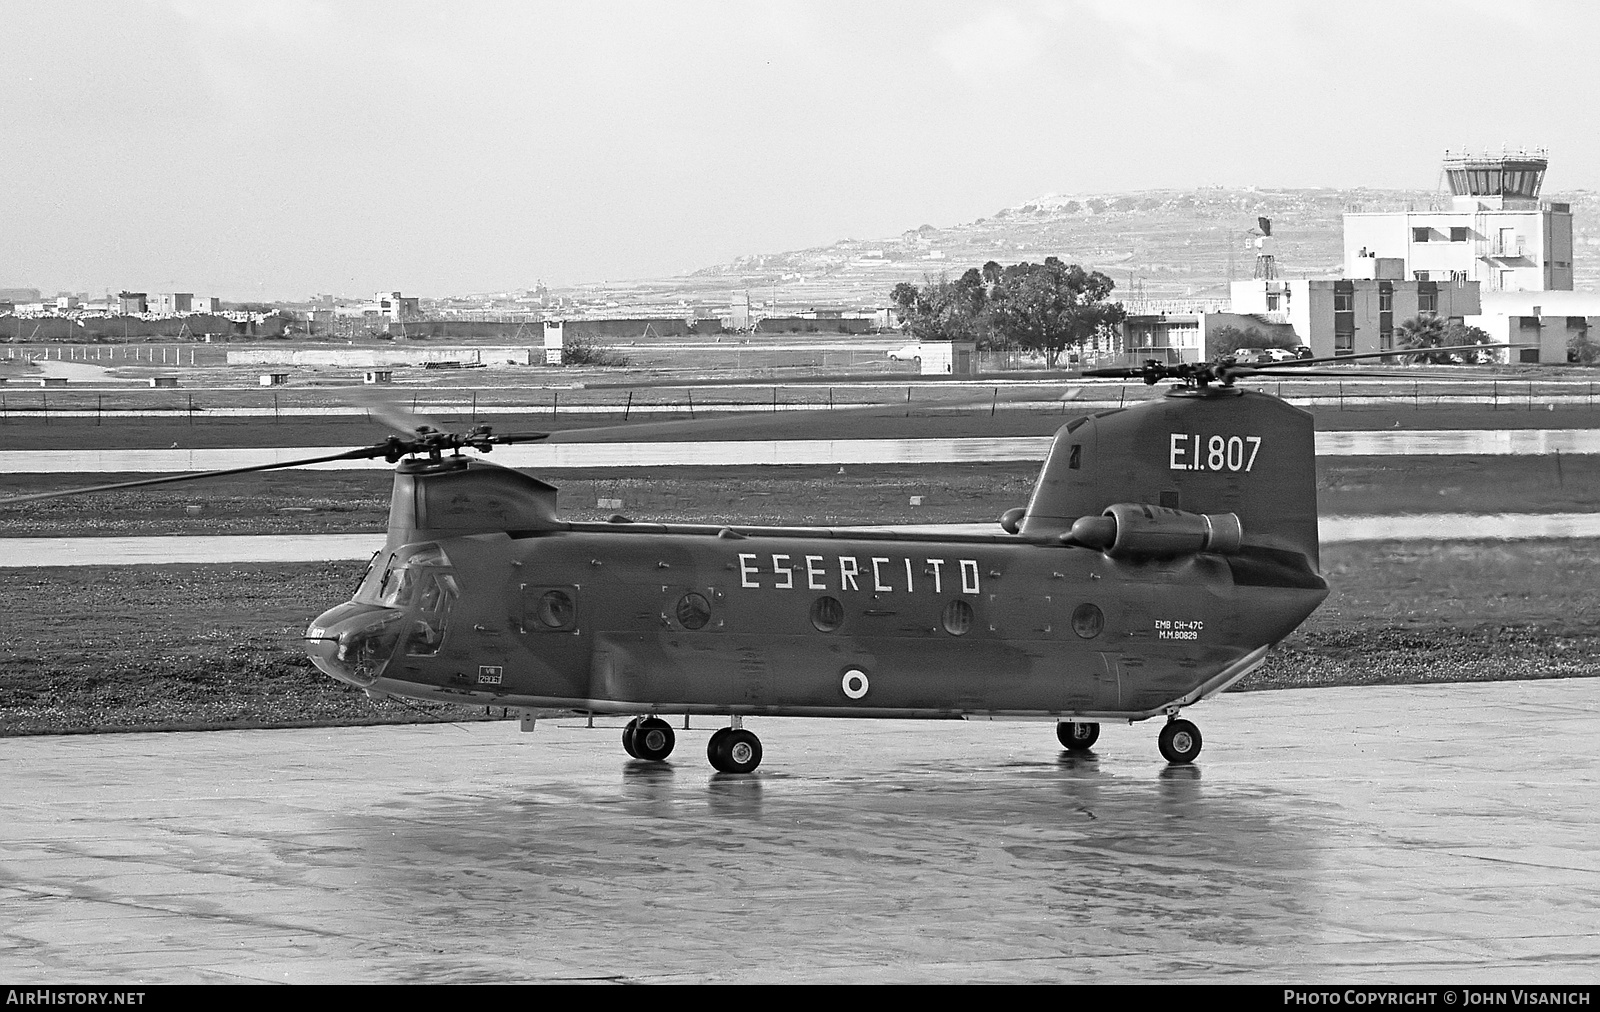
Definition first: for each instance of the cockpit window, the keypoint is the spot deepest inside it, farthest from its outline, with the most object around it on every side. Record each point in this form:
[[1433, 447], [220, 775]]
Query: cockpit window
[[435, 592], [428, 555], [365, 584], [405, 577], [399, 587], [377, 579], [427, 636], [418, 581]]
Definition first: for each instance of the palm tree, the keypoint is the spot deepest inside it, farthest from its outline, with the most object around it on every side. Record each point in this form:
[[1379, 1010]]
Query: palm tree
[[1424, 332], [1432, 332]]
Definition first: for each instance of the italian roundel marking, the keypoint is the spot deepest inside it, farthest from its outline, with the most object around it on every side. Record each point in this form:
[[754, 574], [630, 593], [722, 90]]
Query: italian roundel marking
[[855, 683]]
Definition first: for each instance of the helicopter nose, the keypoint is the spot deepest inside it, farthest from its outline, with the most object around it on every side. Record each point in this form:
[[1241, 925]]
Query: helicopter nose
[[354, 642]]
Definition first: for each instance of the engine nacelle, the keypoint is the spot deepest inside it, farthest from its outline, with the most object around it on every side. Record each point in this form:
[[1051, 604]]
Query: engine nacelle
[[1140, 530]]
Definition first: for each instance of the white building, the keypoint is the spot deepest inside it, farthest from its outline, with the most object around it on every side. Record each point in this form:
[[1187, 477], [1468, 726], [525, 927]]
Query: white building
[[1350, 316], [1496, 231], [1543, 325], [385, 306], [1179, 332], [170, 303]]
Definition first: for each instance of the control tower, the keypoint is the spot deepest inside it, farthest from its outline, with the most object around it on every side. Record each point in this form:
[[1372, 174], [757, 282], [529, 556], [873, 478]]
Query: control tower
[[1502, 182], [1497, 231]]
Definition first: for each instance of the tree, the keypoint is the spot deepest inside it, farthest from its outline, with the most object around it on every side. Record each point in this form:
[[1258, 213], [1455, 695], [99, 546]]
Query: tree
[[1045, 308], [1431, 332], [1581, 349], [1227, 339], [905, 297], [1423, 332], [1052, 306], [945, 310], [578, 350], [1458, 334]]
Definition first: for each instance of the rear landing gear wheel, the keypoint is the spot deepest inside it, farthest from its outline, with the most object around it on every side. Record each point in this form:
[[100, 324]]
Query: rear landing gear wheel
[[627, 736], [652, 740], [1179, 742], [1076, 736], [734, 750]]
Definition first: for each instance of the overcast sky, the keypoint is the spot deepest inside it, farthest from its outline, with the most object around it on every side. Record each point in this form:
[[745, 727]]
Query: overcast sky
[[276, 149]]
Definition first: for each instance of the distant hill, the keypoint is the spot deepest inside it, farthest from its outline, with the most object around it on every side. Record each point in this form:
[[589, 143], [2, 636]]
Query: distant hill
[[1156, 243]]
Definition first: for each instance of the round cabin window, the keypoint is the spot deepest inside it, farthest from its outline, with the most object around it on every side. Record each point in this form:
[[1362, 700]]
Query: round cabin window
[[957, 618], [555, 609], [1087, 621], [827, 614], [694, 611]]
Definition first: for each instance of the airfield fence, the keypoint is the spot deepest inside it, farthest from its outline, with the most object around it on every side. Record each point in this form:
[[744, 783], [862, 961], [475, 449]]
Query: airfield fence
[[119, 355], [776, 357], [688, 400]]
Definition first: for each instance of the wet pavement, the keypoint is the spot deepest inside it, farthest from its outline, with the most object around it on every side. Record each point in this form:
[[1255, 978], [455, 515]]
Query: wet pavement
[[1427, 833]]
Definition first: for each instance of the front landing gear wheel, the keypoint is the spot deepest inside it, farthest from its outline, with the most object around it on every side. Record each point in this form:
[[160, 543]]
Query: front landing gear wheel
[[1077, 737], [627, 736], [652, 740], [1179, 742], [734, 750]]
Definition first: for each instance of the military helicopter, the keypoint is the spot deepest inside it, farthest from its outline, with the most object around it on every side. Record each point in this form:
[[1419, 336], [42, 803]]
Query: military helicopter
[[1165, 548]]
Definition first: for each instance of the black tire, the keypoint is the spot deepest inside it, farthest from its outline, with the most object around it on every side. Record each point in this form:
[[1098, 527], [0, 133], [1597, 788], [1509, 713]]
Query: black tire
[[627, 736], [653, 740], [734, 750], [1076, 736], [715, 743], [1179, 742]]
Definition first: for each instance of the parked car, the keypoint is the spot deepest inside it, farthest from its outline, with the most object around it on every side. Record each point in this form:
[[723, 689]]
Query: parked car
[[910, 353], [1262, 356]]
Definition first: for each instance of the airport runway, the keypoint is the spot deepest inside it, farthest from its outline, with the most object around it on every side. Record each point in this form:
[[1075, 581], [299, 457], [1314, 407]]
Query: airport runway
[[1404, 834]]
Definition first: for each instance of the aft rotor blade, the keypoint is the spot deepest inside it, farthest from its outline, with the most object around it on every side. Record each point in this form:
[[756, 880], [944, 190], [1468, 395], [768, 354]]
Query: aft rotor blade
[[1330, 374], [364, 452], [1297, 362]]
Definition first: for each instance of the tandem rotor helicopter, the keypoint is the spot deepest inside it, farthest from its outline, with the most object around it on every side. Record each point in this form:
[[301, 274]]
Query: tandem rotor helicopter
[[1165, 548]]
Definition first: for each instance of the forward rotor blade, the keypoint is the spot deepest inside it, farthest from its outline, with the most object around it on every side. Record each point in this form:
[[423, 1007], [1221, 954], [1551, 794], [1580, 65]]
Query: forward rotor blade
[[378, 450], [397, 417], [1115, 372], [741, 421]]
